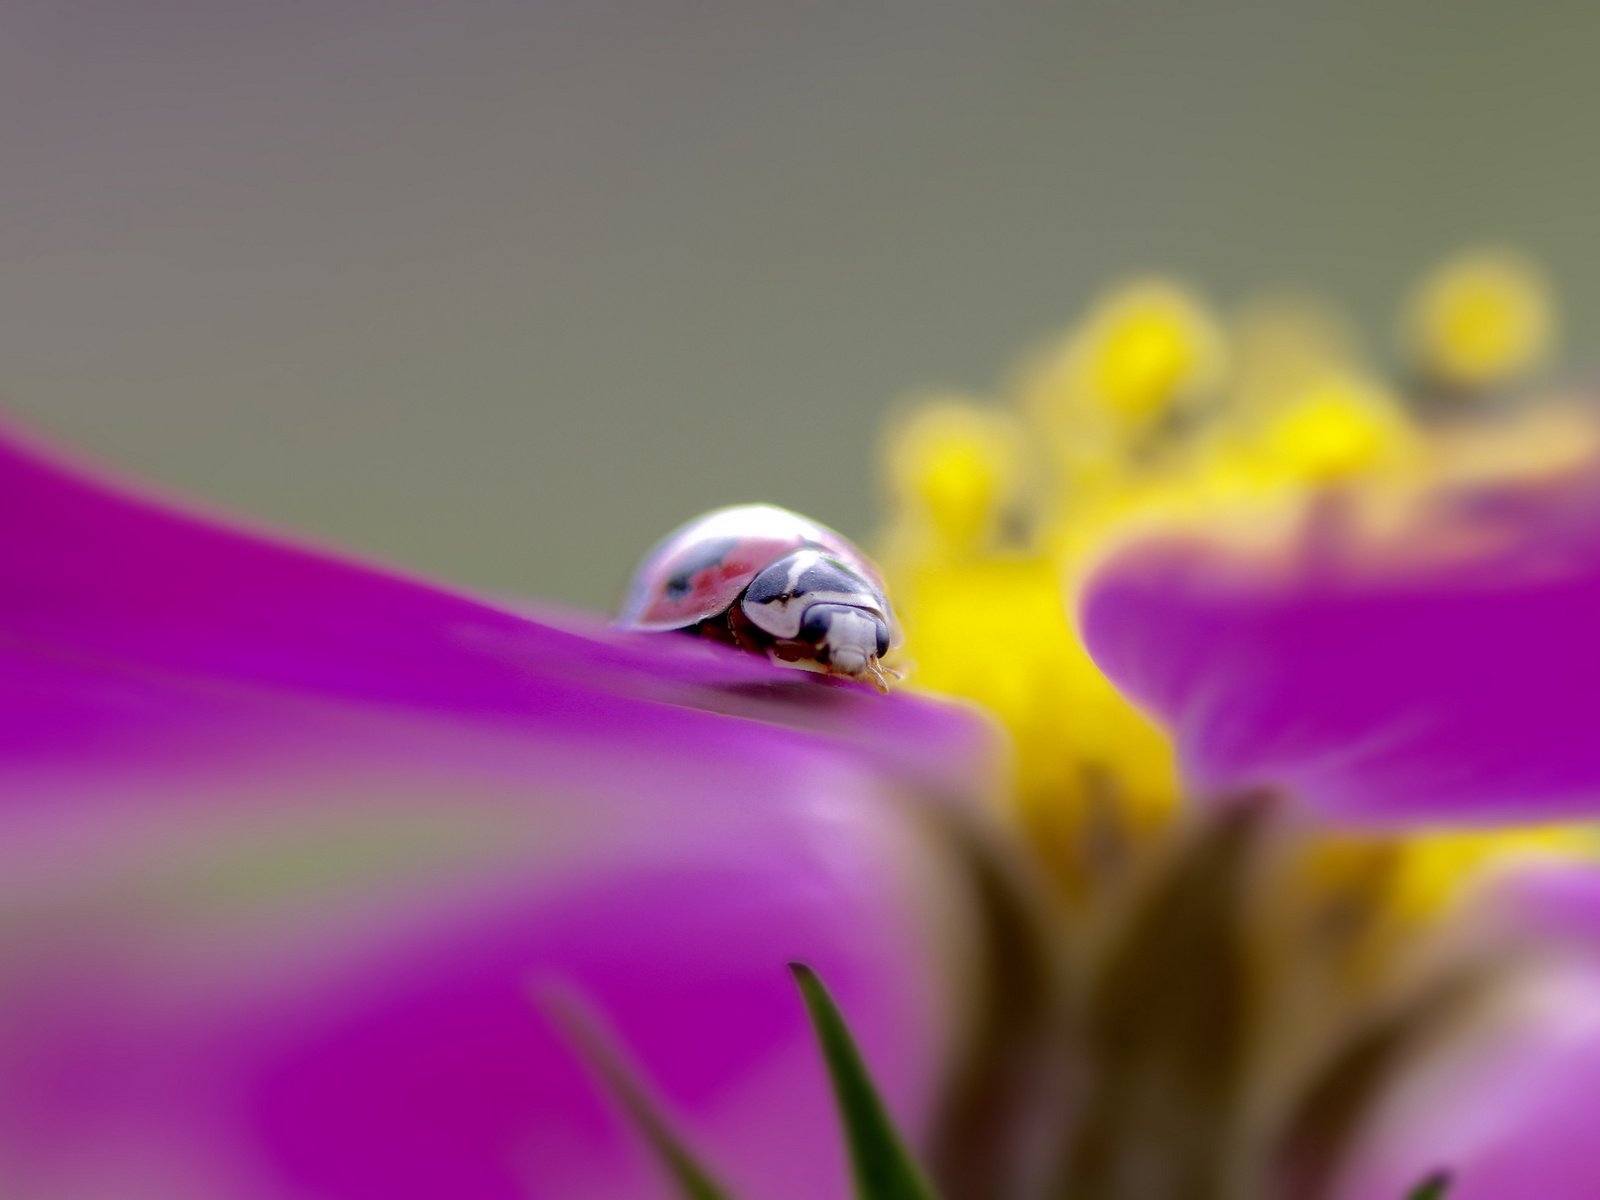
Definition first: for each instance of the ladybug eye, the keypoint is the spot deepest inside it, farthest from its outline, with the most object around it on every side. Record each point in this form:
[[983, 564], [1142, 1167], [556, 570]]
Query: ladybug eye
[[818, 621]]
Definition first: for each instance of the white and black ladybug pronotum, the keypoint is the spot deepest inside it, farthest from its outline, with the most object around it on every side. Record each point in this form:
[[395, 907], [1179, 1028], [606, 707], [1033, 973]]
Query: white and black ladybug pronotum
[[767, 580]]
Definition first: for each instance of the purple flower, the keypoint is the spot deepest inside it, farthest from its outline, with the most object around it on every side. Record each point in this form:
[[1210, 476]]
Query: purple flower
[[292, 851], [1432, 662], [1355, 618], [288, 845], [1426, 662], [1504, 1097]]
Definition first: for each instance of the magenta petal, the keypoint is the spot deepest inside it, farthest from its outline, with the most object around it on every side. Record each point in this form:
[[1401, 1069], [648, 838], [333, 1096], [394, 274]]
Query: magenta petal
[[1508, 1105], [288, 844], [1442, 672]]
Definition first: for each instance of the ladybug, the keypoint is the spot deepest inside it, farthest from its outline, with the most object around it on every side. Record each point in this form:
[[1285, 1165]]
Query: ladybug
[[770, 581]]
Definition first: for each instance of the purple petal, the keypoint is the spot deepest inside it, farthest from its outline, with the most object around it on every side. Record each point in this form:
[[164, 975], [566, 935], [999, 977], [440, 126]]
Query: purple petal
[[287, 844], [1508, 1105], [1441, 670]]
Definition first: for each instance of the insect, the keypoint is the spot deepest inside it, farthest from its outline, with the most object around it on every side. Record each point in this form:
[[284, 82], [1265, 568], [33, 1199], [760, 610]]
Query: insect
[[770, 581]]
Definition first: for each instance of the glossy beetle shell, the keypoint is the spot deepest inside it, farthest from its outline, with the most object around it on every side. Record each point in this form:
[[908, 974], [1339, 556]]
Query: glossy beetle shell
[[769, 581], [700, 569]]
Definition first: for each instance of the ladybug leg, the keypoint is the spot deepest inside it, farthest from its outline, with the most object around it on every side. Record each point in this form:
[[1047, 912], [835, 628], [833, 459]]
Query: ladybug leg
[[791, 651], [742, 632], [714, 629]]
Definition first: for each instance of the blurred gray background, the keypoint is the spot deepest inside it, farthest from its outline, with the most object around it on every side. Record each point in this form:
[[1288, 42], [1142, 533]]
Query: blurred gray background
[[500, 291]]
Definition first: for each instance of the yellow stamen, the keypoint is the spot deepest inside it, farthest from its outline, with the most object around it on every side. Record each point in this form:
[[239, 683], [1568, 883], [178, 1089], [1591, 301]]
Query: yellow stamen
[[1339, 427], [1480, 320], [1146, 349], [997, 513], [956, 468]]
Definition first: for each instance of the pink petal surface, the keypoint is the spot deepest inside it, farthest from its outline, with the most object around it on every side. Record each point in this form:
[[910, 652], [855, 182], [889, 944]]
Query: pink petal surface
[[1439, 670], [286, 844], [1508, 1107]]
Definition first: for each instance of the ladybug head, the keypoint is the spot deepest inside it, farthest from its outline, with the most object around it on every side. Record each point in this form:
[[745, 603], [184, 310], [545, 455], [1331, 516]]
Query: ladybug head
[[846, 638], [812, 600]]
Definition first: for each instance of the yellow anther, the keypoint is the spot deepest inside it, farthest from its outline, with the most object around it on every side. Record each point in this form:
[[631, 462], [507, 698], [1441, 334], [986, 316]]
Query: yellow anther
[[956, 468], [1143, 350], [1340, 427], [989, 618], [1481, 320], [1148, 347]]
